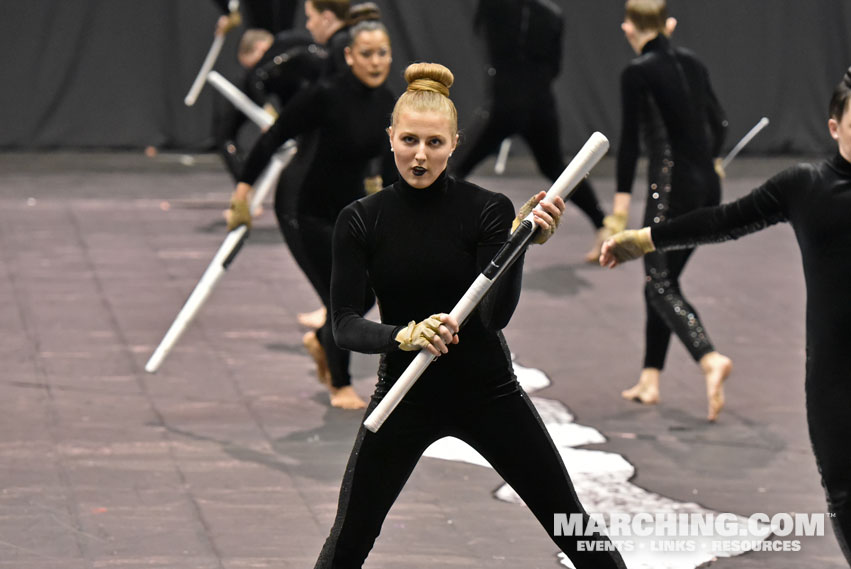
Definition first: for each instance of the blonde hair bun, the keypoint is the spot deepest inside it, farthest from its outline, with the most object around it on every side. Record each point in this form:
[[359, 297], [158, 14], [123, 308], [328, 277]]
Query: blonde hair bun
[[429, 77]]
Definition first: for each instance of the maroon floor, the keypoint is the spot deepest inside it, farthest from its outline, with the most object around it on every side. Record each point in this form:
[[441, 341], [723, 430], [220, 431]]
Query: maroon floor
[[231, 457]]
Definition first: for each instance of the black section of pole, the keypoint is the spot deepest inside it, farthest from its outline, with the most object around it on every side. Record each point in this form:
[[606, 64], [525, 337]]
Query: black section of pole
[[235, 251], [511, 250]]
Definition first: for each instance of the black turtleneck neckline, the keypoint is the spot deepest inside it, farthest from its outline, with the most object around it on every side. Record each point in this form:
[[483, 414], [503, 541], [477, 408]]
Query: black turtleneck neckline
[[841, 165], [659, 43], [438, 188]]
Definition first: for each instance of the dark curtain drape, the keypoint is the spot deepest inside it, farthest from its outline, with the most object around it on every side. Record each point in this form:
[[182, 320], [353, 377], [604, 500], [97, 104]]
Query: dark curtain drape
[[113, 73]]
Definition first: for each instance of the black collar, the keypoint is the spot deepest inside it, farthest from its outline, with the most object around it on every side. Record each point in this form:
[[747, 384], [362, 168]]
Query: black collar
[[438, 189]]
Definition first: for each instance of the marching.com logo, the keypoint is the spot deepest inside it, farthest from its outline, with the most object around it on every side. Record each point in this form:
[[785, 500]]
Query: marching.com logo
[[689, 531]]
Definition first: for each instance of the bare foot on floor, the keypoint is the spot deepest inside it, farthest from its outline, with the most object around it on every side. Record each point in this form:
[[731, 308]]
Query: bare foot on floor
[[646, 390], [317, 352], [716, 368], [345, 398], [593, 255], [314, 320]]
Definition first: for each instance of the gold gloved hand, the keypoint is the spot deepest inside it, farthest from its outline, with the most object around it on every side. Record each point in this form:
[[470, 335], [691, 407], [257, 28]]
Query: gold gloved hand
[[373, 184], [416, 336], [238, 214], [616, 222], [542, 235], [718, 164], [629, 244], [270, 108], [228, 22]]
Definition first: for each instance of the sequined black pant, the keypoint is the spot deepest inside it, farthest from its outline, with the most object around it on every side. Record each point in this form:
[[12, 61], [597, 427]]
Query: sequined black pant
[[505, 429], [667, 309]]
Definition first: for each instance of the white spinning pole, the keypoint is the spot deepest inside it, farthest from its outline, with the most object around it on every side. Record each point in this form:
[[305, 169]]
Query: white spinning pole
[[240, 100], [209, 61], [582, 163], [221, 260], [502, 157], [763, 122]]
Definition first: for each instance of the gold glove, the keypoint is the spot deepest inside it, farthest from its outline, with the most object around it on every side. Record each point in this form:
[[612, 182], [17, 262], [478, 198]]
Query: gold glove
[[270, 108], [632, 244], [615, 222], [719, 168], [416, 336], [239, 214], [372, 184], [542, 235], [228, 22]]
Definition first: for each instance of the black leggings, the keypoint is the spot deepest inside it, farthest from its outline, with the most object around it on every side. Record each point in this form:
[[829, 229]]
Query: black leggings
[[536, 121], [315, 239], [827, 417], [506, 430], [666, 308]]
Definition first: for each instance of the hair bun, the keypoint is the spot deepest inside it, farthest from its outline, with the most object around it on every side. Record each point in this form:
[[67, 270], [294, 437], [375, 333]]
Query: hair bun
[[429, 77], [364, 12]]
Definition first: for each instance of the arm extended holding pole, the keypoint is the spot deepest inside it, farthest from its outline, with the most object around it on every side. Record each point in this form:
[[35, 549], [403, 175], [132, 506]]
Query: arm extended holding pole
[[582, 163]]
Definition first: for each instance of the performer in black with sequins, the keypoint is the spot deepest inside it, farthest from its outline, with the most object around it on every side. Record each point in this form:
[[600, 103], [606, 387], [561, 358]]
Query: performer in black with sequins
[[523, 39], [328, 23], [419, 244], [816, 201], [347, 115], [666, 95], [277, 67]]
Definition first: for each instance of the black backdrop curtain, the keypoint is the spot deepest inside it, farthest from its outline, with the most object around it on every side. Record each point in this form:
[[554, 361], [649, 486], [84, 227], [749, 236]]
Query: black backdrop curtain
[[113, 73]]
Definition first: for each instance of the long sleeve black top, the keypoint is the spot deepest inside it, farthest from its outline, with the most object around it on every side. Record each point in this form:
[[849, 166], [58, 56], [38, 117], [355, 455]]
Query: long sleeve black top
[[816, 200], [672, 86], [419, 250], [349, 120]]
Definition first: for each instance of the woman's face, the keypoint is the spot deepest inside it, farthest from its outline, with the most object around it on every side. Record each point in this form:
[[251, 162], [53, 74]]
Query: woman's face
[[369, 57], [840, 130], [422, 142]]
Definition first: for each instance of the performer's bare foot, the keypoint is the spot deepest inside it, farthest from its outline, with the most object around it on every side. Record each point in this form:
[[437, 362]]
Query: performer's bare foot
[[593, 254], [315, 319], [317, 352], [345, 398], [646, 390], [716, 368]]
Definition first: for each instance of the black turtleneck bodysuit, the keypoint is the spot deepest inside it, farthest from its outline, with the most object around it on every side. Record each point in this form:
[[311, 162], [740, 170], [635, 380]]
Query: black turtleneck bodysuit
[[340, 124], [419, 250], [816, 200], [666, 96]]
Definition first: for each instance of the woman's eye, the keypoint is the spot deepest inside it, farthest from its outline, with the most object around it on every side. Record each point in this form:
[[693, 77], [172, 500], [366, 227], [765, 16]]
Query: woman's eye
[[409, 139], [435, 142]]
